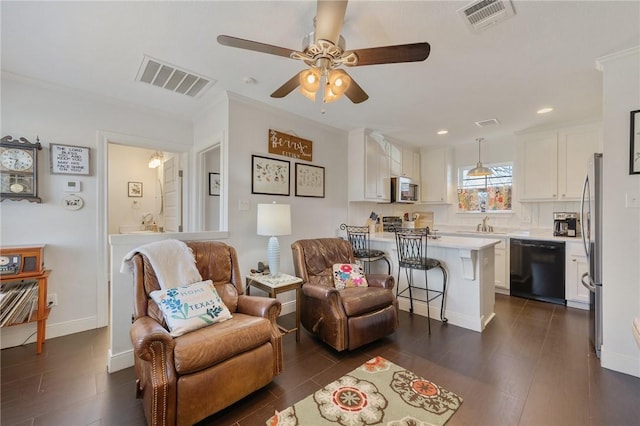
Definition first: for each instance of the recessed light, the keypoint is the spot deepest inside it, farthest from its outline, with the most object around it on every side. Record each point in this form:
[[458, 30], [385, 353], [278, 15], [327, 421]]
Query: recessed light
[[443, 132], [249, 80], [545, 110]]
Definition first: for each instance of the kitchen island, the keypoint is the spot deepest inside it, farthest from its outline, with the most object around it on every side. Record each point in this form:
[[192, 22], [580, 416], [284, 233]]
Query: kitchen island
[[469, 263]]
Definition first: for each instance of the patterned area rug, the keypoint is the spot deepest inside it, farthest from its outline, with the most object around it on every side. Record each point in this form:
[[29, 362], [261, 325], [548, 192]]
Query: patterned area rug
[[376, 393]]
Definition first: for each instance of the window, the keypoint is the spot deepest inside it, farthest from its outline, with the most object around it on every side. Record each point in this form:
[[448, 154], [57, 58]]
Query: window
[[485, 193]]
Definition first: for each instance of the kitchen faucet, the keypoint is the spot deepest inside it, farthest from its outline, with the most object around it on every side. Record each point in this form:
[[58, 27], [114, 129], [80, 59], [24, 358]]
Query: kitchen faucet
[[483, 227]]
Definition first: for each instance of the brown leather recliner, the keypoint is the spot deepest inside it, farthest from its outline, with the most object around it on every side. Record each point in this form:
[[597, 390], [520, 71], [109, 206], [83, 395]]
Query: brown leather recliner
[[347, 318], [185, 379]]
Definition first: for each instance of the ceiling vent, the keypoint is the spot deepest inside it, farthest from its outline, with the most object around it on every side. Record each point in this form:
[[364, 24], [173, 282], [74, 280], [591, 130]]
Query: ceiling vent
[[481, 14], [170, 77], [487, 123]]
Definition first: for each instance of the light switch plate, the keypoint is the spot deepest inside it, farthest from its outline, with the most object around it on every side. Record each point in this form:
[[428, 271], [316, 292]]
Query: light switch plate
[[632, 200], [243, 205]]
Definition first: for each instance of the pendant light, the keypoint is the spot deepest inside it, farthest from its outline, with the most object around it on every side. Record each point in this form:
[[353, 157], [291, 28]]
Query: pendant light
[[479, 169]]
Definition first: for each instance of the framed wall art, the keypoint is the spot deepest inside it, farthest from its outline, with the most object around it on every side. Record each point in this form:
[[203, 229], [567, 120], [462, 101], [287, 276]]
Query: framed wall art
[[214, 184], [309, 181], [69, 160], [135, 189], [634, 159], [269, 176]]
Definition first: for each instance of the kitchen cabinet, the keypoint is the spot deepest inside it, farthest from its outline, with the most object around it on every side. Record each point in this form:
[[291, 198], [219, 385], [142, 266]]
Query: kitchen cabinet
[[395, 158], [436, 181], [501, 267], [577, 264], [404, 161], [369, 168], [553, 164]]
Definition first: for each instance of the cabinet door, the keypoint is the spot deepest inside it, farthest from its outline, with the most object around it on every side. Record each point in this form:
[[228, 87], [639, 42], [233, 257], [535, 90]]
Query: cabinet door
[[434, 176], [395, 156], [540, 168], [574, 149], [377, 184], [501, 267], [575, 291]]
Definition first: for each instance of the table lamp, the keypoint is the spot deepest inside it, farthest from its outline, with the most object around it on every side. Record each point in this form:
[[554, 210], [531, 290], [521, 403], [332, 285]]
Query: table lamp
[[273, 220]]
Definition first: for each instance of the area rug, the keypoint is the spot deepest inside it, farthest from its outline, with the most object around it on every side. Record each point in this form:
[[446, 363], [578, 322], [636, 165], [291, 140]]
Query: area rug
[[376, 393]]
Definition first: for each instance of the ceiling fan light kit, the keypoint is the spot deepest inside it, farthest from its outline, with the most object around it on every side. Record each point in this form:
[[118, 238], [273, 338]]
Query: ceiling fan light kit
[[323, 50]]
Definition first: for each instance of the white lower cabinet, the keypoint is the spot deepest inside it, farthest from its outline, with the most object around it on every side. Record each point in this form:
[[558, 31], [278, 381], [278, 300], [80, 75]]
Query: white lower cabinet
[[577, 264], [501, 267]]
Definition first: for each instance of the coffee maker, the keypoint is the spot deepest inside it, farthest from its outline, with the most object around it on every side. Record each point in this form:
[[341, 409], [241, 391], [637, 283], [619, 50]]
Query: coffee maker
[[566, 224]]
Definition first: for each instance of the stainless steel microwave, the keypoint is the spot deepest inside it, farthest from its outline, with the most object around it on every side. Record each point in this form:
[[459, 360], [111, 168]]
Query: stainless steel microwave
[[404, 190]]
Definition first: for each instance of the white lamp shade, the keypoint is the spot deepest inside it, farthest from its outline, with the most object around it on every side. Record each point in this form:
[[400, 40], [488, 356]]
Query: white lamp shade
[[274, 219]]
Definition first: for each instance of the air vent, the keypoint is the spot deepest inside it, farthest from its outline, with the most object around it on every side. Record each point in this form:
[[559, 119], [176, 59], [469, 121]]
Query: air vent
[[482, 14], [161, 74], [487, 123]]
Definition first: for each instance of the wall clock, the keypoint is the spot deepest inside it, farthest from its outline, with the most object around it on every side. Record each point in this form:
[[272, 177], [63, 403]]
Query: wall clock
[[19, 169]]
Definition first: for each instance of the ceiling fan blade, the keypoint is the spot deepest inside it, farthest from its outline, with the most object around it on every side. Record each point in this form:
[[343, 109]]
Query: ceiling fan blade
[[355, 93], [414, 52], [329, 19], [254, 45], [287, 87]]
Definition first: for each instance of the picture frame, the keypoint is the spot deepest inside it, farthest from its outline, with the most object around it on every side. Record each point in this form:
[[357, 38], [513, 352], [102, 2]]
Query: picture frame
[[134, 189], [69, 159], [214, 184], [309, 181], [270, 176], [634, 143]]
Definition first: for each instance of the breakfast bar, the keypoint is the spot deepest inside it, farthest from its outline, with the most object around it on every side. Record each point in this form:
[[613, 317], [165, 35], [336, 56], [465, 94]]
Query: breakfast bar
[[469, 262]]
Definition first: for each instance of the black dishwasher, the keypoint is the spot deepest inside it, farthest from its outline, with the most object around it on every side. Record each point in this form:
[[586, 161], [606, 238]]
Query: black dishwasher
[[537, 270]]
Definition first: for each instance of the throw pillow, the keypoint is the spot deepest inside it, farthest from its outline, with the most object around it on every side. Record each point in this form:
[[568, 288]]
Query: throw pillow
[[190, 307], [348, 275]]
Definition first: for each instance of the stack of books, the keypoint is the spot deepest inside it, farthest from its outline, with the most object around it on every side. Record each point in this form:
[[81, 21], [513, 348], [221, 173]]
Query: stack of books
[[18, 302]]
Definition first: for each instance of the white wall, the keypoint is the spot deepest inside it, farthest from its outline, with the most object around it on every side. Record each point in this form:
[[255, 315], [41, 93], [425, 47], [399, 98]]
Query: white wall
[[62, 116], [621, 224]]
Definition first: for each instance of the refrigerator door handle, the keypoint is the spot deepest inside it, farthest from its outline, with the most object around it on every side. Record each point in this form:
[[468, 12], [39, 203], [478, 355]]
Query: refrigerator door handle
[[589, 285], [584, 220]]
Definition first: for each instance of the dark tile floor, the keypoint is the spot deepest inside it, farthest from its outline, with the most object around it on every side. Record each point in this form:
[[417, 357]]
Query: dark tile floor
[[532, 366]]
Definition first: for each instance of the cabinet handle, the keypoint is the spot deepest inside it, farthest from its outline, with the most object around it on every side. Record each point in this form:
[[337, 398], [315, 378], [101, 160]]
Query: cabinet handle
[[573, 260]]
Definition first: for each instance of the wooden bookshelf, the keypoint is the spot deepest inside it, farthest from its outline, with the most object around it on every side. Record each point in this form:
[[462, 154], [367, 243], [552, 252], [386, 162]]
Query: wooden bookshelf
[[15, 276]]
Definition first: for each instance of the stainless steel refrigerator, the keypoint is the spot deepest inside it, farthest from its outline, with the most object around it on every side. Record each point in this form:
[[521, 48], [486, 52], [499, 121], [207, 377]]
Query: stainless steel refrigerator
[[591, 223]]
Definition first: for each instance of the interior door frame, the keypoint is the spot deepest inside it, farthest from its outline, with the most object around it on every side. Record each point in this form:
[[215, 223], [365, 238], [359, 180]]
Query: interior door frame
[[104, 138]]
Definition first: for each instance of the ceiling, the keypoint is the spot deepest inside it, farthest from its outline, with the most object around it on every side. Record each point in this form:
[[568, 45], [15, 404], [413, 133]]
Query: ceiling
[[545, 55]]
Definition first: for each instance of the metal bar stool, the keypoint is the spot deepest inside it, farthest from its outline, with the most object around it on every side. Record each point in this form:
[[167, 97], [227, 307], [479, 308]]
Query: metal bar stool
[[412, 254], [359, 238]]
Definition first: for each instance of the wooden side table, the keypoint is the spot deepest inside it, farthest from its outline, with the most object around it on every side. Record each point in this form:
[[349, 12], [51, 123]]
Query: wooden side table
[[276, 285]]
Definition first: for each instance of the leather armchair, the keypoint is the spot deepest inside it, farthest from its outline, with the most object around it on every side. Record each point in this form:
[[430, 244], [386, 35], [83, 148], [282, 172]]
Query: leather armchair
[[347, 318], [185, 379]]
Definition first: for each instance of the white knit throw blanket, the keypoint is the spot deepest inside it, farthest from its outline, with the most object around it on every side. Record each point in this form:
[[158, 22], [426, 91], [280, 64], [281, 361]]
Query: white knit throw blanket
[[172, 261]]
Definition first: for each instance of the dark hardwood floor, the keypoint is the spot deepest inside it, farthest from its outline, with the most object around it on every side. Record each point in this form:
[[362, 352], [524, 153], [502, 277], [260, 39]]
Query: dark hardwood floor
[[533, 365]]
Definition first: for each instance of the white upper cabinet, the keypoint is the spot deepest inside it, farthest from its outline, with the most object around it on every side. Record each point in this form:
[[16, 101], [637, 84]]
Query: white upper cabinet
[[369, 168], [553, 165], [436, 182], [395, 157], [411, 164]]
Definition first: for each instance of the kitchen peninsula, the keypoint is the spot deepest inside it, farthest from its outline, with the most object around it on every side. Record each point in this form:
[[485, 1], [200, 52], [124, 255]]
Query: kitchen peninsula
[[469, 262]]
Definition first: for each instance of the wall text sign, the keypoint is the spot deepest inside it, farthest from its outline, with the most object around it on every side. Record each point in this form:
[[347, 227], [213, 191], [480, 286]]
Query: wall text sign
[[289, 145], [69, 160]]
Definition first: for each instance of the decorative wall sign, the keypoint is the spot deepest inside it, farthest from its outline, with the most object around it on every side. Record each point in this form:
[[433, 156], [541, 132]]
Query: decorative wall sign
[[135, 189], [309, 181], [69, 160], [269, 176], [214, 183], [290, 146], [634, 159]]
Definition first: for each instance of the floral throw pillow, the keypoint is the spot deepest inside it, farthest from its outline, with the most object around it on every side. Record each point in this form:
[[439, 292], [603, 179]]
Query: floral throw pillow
[[348, 275], [190, 307]]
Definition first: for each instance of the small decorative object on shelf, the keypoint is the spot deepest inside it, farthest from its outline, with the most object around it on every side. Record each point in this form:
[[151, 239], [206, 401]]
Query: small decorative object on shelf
[[19, 169], [23, 289]]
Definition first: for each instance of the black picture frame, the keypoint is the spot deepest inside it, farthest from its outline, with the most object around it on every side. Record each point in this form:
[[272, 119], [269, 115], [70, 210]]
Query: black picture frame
[[134, 189], [309, 181], [270, 176], [214, 184], [634, 143]]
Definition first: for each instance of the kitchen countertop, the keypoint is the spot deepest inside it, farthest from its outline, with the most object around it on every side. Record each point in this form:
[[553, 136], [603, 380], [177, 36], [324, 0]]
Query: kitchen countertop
[[536, 234], [445, 241]]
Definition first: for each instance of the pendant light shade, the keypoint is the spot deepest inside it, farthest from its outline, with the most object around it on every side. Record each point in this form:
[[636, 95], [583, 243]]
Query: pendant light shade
[[479, 169]]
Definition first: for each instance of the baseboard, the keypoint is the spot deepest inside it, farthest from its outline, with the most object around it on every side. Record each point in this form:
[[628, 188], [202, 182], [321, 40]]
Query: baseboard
[[25, 333], [454, 318], [620, 362], [119, 361], [288, 307], [578, 305]]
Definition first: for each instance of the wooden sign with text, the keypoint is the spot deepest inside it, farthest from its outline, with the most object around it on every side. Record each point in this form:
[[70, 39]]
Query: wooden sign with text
[[289, 145]]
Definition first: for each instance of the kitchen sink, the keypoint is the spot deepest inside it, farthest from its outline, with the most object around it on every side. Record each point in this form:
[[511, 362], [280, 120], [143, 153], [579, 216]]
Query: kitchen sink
[[482, 232]]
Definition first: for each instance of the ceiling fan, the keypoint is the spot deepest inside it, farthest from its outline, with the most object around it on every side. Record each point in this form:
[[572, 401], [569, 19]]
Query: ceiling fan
[[324, 52]]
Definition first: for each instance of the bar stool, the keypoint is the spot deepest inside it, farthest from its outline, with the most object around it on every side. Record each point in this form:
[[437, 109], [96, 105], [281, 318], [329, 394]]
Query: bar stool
[[358, 236], [412, 254]]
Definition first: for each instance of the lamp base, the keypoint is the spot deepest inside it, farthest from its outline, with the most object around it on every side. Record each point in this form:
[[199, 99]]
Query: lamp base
[[273, 256]]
